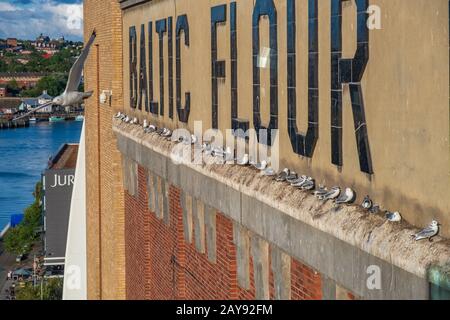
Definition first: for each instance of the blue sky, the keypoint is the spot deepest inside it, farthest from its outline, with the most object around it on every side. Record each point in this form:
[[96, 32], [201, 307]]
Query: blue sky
[[26, 19]]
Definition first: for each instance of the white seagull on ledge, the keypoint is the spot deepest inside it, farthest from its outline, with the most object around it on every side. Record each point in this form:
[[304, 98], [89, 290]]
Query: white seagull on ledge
[[71, 96]]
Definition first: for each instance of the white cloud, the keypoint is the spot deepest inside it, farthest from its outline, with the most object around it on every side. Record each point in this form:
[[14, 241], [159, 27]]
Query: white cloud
[[5, 6], [45, 16]]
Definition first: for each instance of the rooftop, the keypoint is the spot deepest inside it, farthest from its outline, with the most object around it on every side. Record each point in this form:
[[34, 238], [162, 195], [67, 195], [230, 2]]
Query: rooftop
[[65, 158]]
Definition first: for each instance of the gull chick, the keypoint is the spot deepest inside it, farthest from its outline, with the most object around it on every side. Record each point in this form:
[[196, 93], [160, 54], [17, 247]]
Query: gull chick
[[367, 203], [428, 233]]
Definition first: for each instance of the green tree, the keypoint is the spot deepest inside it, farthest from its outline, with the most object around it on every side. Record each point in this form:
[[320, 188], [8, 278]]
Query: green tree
[[20, 239], [13, 87], [52, 289]]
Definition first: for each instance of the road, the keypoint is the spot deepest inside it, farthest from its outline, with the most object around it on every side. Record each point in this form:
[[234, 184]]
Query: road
[[7, 262]]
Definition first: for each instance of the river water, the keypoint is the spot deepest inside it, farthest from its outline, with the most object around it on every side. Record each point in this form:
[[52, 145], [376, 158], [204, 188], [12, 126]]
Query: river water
[[24, 154]]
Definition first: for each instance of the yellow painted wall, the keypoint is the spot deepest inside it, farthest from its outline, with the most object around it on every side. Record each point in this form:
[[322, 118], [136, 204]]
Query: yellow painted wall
[[405, 89]]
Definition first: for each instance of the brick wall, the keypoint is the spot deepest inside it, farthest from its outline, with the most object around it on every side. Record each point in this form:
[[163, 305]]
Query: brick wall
[[161, 264], [105, 209]]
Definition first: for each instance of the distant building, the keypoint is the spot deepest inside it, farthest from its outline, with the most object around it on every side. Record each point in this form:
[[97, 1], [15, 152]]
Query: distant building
[[57, 181], [31, 103], [47, 45], [3, 91], [11, 42], [24, 79], [9, 105]]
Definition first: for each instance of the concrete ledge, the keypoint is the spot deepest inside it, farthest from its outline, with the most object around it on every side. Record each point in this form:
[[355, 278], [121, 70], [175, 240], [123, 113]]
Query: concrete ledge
[[340, 244]]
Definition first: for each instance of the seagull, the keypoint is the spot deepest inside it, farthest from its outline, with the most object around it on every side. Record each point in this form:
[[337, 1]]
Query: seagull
[[269, 172], [118, 115], [145, 125], [393, 216], [347, 197], [218, 152], [428, 233], [283, 175], [292, 177], [71, 96], [309, 184], [332, 194], [321, 192], [261, 166], [244, 160], [207, 148], [367, 203], [151, 128], [135, 121], [298, 183], [127, 119], [167, 133]]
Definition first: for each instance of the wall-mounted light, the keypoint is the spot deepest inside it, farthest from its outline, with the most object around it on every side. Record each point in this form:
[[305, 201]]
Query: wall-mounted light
[[105, 95]]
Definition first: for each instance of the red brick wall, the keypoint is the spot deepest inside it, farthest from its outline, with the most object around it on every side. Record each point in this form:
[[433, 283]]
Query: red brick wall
[[306, 284], [161, 265]]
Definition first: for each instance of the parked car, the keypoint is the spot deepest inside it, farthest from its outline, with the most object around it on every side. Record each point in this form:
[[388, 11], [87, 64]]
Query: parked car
[[19, 258]]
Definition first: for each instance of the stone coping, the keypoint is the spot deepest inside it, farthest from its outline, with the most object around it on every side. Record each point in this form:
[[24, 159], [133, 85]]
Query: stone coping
[[391, 242]]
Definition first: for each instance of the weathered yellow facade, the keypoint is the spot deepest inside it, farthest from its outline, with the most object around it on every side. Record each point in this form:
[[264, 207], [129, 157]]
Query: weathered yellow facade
[[405, 89]]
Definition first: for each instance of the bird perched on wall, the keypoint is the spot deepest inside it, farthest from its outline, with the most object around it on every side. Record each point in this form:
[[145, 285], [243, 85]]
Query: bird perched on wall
[[127, 119], [292, 177], [269, 172], [321, 192], [135, 121], [207, 147], [70, 96], [118, 115], [393, 216], [166, 133], [261, 166], [151, 128], [145, 125], [332, 194], [309, 184], [282, 175], [299, 182], [243, 161], [347, 197], [367, 203], [428, 233]]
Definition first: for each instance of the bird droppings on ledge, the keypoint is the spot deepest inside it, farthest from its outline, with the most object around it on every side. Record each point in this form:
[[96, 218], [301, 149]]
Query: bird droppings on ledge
[[352, 224]]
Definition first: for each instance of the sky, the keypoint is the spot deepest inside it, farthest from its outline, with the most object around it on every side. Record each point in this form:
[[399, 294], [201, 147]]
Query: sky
[[26, 19]]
